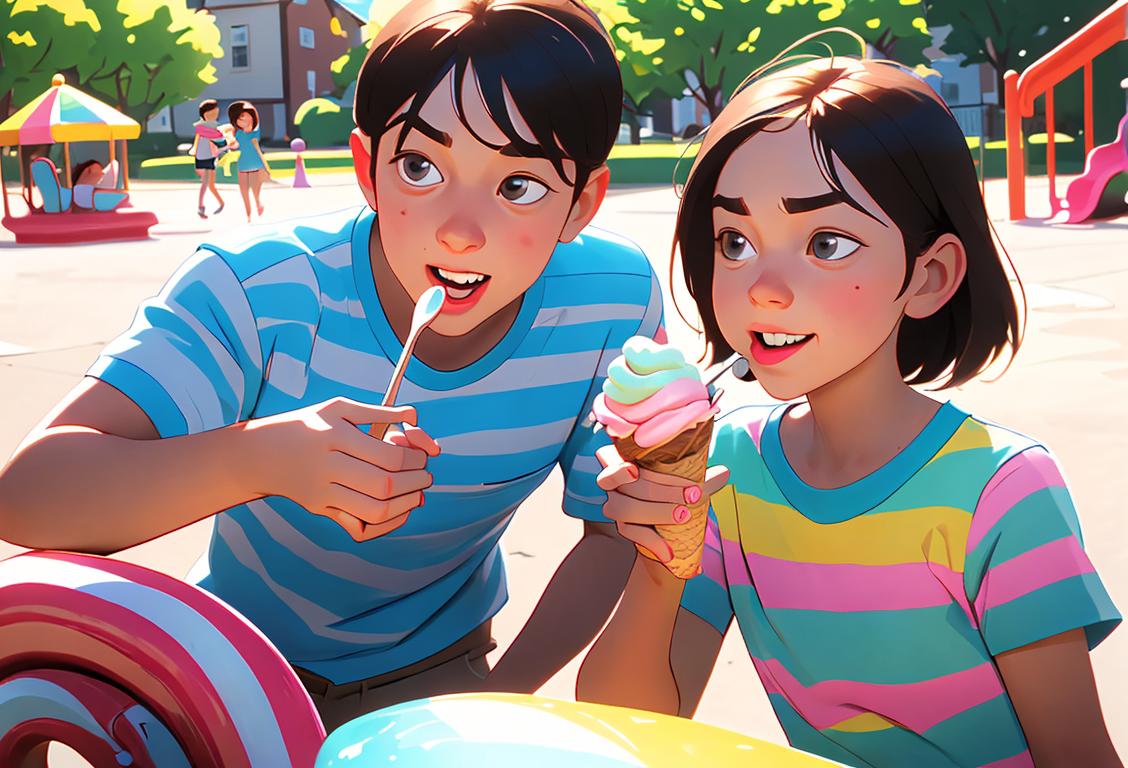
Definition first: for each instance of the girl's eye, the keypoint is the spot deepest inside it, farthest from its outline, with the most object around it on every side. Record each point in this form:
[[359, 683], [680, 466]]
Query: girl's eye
[[522, 190], [831, 246], [735, 246], [417, 170]]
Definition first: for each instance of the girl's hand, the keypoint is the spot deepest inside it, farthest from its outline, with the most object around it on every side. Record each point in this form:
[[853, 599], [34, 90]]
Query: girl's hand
[[317, 457], [637, 500]]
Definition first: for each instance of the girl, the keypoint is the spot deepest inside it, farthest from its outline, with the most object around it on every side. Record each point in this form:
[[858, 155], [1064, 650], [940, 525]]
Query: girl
[[252, 165], [909, 580]]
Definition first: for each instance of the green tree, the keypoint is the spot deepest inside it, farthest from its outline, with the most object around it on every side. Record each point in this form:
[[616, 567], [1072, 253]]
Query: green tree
[[642, 77], [39, 39], [149, 54], [712, 45], [898, 32], [346, 69], [1008, 34]]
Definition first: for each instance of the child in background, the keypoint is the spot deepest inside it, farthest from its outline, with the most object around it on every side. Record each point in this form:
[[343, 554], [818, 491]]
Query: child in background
[[208, 143], [253, 168], [89, 192], [909, 579]]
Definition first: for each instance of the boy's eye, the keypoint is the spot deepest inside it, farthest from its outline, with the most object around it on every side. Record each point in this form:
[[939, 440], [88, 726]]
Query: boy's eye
[[417, 170], [522, 190], [831, 246], [735, 246]]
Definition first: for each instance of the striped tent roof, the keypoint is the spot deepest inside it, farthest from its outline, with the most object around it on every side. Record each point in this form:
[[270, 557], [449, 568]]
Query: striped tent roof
[[63, 114]]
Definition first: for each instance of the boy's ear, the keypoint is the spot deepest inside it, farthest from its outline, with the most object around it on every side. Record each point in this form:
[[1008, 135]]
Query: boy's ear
[[361, 146], [586, 205]]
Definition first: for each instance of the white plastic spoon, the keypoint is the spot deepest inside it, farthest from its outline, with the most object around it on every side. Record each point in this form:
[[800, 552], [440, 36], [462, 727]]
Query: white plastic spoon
[[428, 307]]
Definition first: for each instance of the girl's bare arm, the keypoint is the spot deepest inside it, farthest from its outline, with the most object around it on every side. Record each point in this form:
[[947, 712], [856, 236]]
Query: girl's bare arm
[[630, 664], [1051, 685]]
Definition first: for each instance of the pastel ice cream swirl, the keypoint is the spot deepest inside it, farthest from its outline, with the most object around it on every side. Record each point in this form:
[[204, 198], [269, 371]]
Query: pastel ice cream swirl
[[652, 393]]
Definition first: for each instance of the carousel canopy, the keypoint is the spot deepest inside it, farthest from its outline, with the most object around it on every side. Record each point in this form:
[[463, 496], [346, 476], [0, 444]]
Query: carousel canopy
[[64, 114]]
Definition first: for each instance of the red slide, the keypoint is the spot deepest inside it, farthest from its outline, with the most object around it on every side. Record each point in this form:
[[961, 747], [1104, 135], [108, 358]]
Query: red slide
[[1098, 193]]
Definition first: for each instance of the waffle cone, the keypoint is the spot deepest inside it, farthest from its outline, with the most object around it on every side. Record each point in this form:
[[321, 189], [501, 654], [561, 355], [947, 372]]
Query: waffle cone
[[686, 456]]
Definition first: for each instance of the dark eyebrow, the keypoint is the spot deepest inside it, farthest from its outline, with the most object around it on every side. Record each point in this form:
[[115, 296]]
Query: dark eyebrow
[[731, 204], [416, 123], [825, 200], [805, 204]]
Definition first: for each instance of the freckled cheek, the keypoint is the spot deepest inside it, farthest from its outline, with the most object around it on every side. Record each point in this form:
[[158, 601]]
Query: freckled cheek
[[840, 300]]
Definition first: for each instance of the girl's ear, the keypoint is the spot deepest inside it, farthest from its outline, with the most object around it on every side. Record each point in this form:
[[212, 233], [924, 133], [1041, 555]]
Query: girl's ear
[[938, 274], [361, 146], [586, 205]]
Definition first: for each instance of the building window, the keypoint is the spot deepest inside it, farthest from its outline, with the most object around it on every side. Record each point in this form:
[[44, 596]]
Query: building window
[[305, 37], [950, 92], [311, 83], [240, 47]]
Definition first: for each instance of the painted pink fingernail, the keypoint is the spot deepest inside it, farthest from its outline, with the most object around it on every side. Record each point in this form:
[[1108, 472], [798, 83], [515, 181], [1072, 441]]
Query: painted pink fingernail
[[681, 514], [692, 494]]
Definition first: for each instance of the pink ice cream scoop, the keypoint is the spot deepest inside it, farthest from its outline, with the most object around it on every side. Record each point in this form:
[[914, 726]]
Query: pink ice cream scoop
[[652, 394]]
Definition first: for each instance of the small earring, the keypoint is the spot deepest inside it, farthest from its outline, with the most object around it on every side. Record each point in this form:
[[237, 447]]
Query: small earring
[[741, 370]]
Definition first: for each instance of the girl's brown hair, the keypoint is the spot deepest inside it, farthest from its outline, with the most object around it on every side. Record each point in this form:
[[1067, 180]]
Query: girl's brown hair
[[236, 110], [892, 132]]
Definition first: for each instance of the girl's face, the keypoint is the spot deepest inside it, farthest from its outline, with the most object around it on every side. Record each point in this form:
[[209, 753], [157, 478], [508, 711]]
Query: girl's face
[[805, 286], [245, 122]]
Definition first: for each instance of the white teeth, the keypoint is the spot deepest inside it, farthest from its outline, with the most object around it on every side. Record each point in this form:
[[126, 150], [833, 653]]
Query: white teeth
[[462, 278], [780, 339]]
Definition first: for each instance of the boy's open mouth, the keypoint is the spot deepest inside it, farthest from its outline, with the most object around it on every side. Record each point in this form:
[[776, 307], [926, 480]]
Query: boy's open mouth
[[460, 286]]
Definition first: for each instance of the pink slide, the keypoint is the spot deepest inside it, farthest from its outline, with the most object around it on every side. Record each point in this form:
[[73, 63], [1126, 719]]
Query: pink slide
[[1099, 191]]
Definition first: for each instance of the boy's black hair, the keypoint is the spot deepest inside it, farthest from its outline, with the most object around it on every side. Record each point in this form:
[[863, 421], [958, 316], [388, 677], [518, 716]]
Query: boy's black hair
[[80, 168], [894, 134], [553, 56], [237, 108], [207, 105]]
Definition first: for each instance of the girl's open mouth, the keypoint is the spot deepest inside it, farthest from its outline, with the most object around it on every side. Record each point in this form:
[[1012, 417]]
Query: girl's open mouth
[[772, 348], [463, 289]]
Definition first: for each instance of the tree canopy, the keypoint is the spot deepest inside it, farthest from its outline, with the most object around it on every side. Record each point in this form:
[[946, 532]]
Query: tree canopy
[[139, 55]]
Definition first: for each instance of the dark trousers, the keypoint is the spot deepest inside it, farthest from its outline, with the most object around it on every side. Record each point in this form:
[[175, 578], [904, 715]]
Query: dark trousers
[[459, 668]]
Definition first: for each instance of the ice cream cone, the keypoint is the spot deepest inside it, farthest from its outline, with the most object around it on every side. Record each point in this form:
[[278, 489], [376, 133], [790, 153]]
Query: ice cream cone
[[686, 456]]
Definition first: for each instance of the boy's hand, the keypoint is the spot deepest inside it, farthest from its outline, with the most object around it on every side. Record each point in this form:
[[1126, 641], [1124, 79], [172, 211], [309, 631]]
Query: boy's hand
[[637, 500], [317, 457]]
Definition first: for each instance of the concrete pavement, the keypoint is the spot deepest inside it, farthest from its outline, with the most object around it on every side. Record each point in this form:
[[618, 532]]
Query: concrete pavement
[[1068, 386]]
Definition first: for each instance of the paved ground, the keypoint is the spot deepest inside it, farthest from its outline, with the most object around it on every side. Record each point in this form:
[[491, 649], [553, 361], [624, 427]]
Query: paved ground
[[1068, 386]]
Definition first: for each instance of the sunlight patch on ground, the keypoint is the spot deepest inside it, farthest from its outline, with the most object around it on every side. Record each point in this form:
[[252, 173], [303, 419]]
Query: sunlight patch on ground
[[1049, 298]]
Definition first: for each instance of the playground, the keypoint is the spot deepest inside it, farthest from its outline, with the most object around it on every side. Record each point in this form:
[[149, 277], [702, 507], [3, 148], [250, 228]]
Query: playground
[[59, 311], [75, 273]]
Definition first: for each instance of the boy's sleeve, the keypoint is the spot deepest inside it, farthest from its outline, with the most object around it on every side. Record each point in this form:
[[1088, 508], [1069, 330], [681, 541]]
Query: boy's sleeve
[[707, 595], [1027, 576], [582, 497], [191, 360]]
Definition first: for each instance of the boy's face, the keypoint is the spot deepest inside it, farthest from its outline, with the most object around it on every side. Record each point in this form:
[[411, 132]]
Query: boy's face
[[480, 222], [211, 115]]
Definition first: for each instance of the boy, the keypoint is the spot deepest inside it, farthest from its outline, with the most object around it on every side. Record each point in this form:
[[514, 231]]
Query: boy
[[207, 144], [483, 129]]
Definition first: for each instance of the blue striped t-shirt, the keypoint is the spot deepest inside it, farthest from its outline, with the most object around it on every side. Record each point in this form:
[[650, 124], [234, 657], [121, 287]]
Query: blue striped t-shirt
[[291, 319]]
